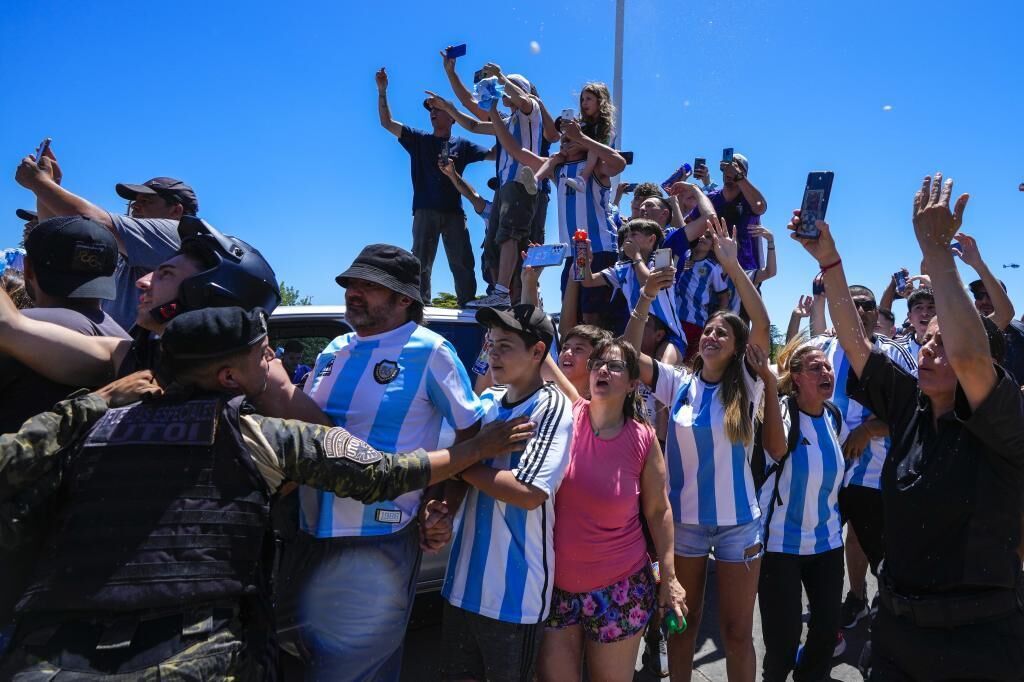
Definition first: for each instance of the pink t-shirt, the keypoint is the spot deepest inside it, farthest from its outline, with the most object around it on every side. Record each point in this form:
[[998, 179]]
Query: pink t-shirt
[[598, 539]]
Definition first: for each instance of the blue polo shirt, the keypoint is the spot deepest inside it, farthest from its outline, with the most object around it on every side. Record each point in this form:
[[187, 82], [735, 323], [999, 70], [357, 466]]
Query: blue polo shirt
[[430, 188]]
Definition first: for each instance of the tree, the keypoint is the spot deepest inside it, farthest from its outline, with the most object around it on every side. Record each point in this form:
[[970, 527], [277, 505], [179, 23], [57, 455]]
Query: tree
[[778, 340], [445, 300], [291, 296]]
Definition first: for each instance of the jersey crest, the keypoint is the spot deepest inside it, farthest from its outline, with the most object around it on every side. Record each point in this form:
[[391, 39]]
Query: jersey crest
[[385, 371]]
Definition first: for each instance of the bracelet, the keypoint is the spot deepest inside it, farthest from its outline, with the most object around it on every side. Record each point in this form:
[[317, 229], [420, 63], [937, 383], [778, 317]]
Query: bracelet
[[638, 318], [771, 248], [643, 294], [828, 267]]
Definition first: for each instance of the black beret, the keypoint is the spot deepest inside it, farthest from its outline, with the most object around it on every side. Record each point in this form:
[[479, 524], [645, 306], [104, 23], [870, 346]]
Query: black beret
[[212, 333]]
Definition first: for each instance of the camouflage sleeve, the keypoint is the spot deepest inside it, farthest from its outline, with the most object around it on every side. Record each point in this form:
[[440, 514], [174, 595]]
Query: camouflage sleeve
[[29, 453], [330, 458]]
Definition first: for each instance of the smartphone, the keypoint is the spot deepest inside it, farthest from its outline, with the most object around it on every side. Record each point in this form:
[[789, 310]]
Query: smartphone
[[455, 51], [546, 255], [479, 76], [815, 203], [727, 154], [956, 247], [818, 285], [628, 156], [444, 156], [698, 162], [900, 279], [628, 187], [567, 114], [662, 258], [42, 148]]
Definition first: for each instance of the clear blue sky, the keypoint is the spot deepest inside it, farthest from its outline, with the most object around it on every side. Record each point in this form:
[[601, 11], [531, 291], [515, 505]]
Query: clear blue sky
[[269, 110]]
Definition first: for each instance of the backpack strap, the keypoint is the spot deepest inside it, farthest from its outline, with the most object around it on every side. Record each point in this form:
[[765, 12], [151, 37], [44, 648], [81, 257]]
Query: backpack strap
[[775, 469]]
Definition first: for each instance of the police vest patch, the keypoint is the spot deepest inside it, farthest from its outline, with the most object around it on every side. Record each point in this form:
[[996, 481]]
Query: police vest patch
[[191, 423], [385, 371]]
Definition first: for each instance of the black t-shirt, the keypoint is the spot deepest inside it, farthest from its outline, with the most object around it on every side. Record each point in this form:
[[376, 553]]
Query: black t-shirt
[[23, 393], [430, 188], [1015, 350], [951, 494]]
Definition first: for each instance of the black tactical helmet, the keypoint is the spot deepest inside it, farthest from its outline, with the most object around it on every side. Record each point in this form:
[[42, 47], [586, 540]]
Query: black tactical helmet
[[235, 273]]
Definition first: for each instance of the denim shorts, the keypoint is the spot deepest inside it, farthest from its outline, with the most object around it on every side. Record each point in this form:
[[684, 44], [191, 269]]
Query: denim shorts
[[728, 543]]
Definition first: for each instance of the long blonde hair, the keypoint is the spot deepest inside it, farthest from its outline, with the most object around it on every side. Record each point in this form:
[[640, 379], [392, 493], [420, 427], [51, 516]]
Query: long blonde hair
[[739, 423], [791, 359]]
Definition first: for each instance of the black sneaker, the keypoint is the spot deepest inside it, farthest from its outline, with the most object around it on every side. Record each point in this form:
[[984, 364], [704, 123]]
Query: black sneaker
[[854, 609], [656, 654]]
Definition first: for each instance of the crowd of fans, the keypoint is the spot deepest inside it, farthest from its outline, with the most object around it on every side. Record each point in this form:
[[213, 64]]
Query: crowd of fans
[[596, 464]]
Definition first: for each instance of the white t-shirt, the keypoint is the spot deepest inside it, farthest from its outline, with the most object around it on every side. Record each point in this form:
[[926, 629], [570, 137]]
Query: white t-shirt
[[392, 390], [502, 560], [709, 480]]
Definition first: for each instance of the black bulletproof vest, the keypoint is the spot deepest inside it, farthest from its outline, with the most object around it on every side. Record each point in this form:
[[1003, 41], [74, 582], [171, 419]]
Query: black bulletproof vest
[[144, 353], [163, 509]]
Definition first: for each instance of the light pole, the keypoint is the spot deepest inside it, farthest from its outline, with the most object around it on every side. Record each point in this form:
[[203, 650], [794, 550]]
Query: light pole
[[620, 20]]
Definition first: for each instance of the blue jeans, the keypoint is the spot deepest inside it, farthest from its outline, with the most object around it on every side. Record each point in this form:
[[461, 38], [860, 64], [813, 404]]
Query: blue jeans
[[354, 599]]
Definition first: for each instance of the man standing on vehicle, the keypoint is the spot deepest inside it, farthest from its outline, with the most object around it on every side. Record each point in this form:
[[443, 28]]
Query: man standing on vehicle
[[390, 381]]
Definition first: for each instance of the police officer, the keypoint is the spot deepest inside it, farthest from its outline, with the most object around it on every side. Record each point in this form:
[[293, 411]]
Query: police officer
[[157, 560], [951, 584]]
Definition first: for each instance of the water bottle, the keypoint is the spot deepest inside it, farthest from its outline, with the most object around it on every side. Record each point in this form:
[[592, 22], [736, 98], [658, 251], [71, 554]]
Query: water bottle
[[579, 255], [677, 176], [482, 363], [672, 624]]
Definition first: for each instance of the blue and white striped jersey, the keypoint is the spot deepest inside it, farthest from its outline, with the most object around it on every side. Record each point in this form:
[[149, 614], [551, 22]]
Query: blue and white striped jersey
[[709, 479], [910, 344], [585, 210], [807, 521], [528, 130], [392, 390], [697, 287], [865, 470], [664, 307], [502, 560], [734, 297]]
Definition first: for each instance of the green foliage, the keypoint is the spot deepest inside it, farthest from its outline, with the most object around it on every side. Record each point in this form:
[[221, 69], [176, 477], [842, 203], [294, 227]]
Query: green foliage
[[291, 296], [445, 300], [778, 341]]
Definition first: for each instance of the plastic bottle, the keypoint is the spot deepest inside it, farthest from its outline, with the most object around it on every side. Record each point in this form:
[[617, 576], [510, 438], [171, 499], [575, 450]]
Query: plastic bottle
[[579, 255], [673, 624], [483, 363], [685, 169]]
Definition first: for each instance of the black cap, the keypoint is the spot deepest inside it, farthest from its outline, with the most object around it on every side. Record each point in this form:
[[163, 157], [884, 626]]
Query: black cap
[[211, 333], [166, 188], [27, 215], [388, 266], [73, 257], [524, 317], [978, 284]]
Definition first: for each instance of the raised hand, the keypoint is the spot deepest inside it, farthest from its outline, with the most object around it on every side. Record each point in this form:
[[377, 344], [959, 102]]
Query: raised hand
[[447, 168], [382, 79], [703, 174], [439, 102], [29, 174], [823, 249], [759, 361], [449, 64], [934, 222], [659, 279], [571, 130], [683, 189], [803, 306], [491, 69], [723, 242], [968, 252], [761, 231]]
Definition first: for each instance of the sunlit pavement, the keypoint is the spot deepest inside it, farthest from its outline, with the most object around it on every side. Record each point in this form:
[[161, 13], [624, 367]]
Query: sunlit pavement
[[423, 642]]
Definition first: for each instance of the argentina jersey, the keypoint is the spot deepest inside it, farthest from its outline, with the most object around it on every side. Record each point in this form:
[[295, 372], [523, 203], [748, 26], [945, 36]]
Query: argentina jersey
[[663, 307], [528, 130], [392, 390], [911, 346], [865, 470], [696, 288], [502, 560], [709, 481], [587, 210], [806, 519]]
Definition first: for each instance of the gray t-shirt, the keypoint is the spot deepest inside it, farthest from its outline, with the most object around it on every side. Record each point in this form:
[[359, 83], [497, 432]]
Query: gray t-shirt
[[148, 242]]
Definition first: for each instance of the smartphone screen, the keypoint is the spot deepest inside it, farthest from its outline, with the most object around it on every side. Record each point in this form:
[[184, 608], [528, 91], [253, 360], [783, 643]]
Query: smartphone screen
[[545, 255], [479, 76], [901, 280], [815, 203], [698, 162], [455, 51], [727, 154], [628, 187], [567, 114]]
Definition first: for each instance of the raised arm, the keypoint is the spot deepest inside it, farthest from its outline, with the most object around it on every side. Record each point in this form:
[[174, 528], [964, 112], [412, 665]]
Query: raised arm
[[461, 91], [468, 122], [758, 204], [634, 333], [570, 307], [611, 162], [551, 133], [770, 268], [837, 292], [465, 189], [383, 109], [801, 311], [509, 143], [726, 251], [1002, 308], [963, 334], [52, 199], [520, 99], [696, 227]]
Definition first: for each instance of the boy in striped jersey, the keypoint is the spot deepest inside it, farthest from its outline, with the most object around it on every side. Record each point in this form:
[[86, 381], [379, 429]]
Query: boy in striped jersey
[[501, 569], [702, 288]]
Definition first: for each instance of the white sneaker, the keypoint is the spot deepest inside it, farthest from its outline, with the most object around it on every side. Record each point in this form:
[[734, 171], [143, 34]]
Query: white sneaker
[[499, 299], [526, 178]]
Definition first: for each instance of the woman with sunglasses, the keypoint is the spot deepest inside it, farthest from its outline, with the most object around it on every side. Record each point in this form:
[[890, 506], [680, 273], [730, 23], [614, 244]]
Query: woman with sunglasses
[[710, 439], [605, 589]]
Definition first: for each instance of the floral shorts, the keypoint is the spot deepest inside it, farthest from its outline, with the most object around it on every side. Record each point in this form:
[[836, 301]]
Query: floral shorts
[[609, 614]]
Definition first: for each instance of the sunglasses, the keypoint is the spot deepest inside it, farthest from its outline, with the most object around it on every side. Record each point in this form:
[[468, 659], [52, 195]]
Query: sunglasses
[[614, 366], [866, 306]]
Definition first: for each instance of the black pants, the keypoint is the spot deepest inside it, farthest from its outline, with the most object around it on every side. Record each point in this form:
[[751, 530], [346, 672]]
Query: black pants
[[862, 508], [779, 596], [993, 650], [428, 226]]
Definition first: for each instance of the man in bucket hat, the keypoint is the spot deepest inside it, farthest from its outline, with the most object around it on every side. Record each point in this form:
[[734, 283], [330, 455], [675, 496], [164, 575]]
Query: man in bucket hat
[[389, 381]]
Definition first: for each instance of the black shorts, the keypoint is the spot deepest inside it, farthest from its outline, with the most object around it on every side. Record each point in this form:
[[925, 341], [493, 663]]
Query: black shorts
[[512, 214], [475, 647]]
